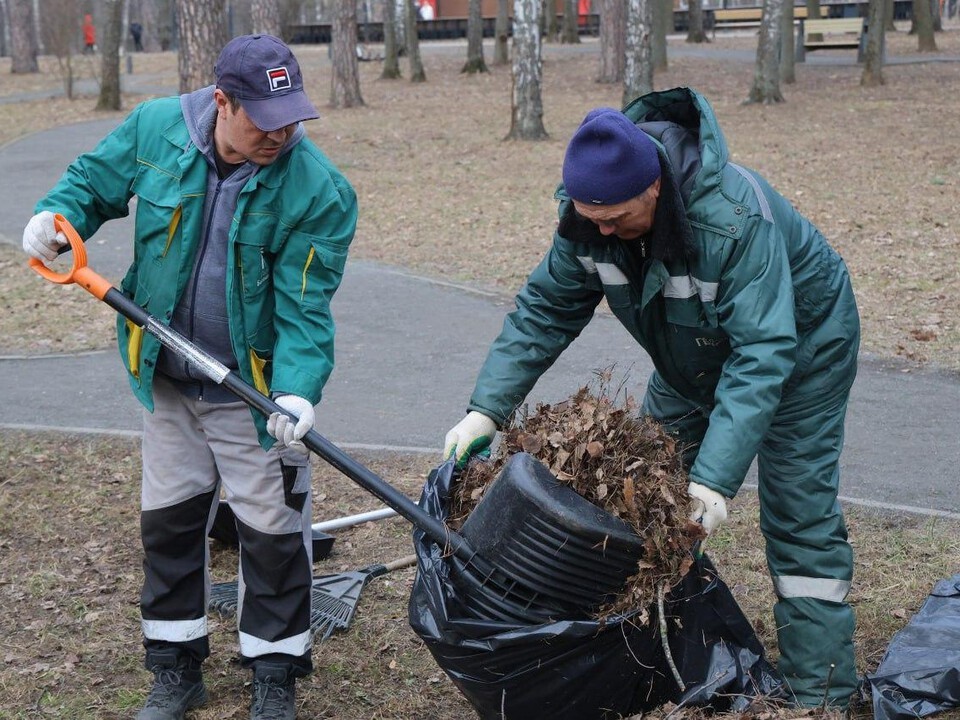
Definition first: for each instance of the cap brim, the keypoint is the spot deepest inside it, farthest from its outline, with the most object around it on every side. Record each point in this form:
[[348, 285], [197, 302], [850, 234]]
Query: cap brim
[[274, 113]]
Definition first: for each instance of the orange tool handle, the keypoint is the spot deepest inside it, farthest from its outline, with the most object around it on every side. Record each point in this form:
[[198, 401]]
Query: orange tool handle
[[79, 273]]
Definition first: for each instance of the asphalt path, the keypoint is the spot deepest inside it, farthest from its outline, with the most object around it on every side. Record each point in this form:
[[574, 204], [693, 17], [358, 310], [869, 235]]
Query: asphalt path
[[408, 349]]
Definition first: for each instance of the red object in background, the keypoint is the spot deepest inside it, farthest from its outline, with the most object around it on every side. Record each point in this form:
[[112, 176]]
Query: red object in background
[[583, 9], [432, 4], [89, 31]]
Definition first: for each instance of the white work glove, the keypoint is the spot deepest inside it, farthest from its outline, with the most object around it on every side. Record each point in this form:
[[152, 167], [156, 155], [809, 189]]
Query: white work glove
[[468, 437], [707, 507], [41, 239], [287, 431]]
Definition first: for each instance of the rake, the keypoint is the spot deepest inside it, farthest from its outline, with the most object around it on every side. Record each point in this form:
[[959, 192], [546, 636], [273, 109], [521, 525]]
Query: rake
[[333, 598]]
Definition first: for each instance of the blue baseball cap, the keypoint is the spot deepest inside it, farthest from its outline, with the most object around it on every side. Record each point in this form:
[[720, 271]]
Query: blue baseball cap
[[261, 72], [609, 159]]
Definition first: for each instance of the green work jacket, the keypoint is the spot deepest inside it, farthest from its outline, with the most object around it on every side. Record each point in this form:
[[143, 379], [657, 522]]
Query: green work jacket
[[720, 312], [286, 250]]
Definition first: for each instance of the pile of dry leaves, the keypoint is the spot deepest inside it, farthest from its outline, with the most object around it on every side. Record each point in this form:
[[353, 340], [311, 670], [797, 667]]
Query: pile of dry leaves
[[627, 465]]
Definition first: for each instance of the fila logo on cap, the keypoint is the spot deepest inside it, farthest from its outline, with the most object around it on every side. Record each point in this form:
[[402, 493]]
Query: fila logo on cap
[[279, 79]]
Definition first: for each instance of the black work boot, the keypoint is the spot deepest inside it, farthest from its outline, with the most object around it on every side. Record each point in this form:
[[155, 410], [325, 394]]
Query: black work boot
[[177, 686], [273, 693]]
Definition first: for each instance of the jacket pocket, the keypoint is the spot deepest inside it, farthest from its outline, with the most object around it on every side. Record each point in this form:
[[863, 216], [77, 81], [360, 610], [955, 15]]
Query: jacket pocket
[[158, 211], [323, 267], [256, 267]]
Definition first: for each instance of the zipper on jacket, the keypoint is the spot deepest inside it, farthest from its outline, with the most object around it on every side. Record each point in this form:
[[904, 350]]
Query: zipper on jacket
[[201, 252]]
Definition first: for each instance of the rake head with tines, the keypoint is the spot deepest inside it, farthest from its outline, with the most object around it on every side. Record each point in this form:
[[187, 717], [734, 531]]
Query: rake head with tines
[[333, 598]]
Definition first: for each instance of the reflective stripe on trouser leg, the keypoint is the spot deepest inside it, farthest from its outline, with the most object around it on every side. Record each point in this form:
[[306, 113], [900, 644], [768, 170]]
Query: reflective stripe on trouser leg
[[269, 492], [178, 487], [810, 560]]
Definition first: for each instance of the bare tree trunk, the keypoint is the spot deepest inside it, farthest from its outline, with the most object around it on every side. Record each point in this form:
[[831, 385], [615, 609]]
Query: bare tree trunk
[[526, 121], [475, 63], [766, 74], [569, 33], [695, 33], [813, 9], [549, 20], [391, 56], [788, 73], [345, 75], [662, 18], [23, 38], [501, 47], [638, 65], [923, 21], [401, 10], [110, 98], [873, 54], [888, 25], [417, 73], [202, 28], [265, 17], [613, 33]]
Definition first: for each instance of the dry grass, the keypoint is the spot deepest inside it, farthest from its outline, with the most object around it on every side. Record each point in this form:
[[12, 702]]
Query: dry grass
[[69, 586], [441, 192]]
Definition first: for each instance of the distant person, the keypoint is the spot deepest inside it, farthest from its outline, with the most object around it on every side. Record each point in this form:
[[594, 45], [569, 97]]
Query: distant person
[[750, 319], [89, 35], [136, 32], [426, 11], [241, 237]]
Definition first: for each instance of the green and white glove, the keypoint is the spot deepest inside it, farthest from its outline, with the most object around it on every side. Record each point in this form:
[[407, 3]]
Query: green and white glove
[[470, 436], [707, 507]]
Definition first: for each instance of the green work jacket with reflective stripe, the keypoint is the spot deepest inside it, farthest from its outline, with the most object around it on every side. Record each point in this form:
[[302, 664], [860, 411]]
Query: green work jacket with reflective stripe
[[286, 252], [718, 298]]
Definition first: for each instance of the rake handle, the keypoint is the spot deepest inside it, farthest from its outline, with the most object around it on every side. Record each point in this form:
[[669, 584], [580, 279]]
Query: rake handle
[[103, 290]]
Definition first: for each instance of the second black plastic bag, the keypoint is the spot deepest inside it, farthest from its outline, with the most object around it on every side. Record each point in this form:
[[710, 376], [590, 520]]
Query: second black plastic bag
[[577, 668]]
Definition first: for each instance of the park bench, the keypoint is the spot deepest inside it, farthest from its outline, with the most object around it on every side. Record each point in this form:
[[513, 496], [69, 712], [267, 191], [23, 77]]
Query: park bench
[[838, 33], [732, 18]]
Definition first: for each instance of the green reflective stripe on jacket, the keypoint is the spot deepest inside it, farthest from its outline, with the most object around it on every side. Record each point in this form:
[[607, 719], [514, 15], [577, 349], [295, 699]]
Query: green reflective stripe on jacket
[[278, 303], [720, 325]]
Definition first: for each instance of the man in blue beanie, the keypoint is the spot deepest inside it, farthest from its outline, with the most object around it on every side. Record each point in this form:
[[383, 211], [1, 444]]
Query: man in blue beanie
[[751, 322]]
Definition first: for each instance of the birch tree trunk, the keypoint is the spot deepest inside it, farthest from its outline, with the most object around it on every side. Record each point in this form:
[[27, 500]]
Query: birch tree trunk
[[526, 122], [417, 73], [873, 54], [475, 63], [613, 33], [638, 60], [202, 28], [766, 74], [345, 75], [23, 37], [501, 46], [391, 55], [265, 17], [111, 37]]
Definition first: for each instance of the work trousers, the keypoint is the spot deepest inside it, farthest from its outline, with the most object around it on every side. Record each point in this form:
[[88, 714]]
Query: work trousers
[[192, 452], [808, 555]]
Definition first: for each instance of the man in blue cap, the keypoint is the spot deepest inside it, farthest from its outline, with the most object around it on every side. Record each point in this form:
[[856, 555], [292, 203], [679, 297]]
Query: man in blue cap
[[242, 231], [751, 322]]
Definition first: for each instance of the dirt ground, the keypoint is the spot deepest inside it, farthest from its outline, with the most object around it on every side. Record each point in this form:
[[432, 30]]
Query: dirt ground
[[442, 194], [70, 581]]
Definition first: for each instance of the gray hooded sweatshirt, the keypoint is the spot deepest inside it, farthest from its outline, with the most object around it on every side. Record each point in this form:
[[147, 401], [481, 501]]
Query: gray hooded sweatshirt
[[201, 313]]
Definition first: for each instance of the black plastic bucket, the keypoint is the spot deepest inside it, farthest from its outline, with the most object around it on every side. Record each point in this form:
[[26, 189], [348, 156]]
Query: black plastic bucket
[[552, 553]]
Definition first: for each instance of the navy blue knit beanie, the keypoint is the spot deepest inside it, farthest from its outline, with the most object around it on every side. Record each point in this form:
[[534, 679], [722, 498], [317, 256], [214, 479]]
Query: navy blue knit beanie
[[609, 159]]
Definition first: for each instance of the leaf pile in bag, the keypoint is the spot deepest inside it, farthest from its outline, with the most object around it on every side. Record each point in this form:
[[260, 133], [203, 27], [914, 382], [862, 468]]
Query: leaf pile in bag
[[625, 464]]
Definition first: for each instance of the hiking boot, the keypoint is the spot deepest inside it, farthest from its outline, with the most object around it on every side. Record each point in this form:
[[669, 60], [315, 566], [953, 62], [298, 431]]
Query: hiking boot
[[177, 687], [273, 693]]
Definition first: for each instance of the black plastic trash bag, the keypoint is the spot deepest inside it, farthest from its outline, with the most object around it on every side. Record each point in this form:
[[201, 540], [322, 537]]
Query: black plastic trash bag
[[581, 669], [920, 672]]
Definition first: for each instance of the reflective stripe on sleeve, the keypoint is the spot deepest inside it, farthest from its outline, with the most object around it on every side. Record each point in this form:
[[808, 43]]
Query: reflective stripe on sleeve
[[797, 586], [251, 646], [174, 630]]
